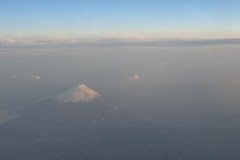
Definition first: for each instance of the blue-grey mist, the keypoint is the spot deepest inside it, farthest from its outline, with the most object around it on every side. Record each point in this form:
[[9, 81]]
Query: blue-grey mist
[[189, 96]]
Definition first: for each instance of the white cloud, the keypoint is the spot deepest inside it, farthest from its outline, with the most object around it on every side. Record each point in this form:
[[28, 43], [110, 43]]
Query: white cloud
[[25, 77], [35, 77], [113, 41], [134, 77], [16, 42], [15, 77]]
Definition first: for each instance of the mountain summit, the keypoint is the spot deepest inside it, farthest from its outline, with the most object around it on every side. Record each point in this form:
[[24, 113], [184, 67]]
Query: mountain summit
[[78, 94]]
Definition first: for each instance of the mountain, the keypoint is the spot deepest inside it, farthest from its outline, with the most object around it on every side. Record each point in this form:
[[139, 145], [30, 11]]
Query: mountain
[[74, 125], [77, 94]]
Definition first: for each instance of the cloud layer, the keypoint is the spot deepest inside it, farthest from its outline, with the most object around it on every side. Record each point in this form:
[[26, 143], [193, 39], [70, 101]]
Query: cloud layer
[[14, 43]]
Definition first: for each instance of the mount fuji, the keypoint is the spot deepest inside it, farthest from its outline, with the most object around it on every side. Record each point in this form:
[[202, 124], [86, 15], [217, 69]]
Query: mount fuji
[[76, 125], [78, 94], [75, 95]]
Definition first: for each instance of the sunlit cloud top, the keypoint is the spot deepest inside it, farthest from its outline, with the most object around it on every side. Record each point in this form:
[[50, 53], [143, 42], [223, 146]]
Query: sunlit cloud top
[[103, 19], [134, 77]]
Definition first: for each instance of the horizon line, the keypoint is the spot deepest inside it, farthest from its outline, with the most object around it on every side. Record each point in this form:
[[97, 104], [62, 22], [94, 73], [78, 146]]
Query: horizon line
[[145, 42]]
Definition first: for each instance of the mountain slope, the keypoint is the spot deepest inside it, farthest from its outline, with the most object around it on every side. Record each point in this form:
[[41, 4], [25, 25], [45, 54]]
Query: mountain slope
[[77, 94]]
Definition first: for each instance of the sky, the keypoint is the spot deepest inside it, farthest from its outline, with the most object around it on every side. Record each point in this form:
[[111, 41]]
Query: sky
[[59, 19]]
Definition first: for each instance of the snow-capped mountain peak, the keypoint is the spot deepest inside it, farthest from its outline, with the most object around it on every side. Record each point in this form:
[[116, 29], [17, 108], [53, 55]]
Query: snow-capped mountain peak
[[77, 94]]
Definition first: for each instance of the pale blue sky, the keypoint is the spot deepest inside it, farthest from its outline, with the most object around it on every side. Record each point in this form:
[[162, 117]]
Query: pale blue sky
[[106, 18]]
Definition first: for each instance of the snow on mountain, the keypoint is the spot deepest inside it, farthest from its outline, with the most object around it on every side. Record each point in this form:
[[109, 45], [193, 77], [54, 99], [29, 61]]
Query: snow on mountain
[[78, 94]]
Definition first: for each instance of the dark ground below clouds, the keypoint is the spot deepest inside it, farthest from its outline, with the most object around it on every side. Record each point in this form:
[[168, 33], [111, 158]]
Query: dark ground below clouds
[[49, 131]]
